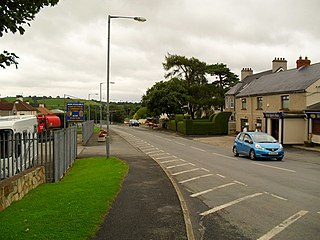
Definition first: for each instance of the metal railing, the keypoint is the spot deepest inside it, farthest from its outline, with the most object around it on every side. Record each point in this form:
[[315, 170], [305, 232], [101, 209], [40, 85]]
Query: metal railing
[[55, 150]]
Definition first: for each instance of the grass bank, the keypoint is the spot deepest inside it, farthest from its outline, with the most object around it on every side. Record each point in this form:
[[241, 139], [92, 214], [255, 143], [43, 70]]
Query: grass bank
[[70, 209]]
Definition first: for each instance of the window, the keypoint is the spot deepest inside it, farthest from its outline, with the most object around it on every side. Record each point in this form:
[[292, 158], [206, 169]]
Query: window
[[243, 103], [259, 103], [227, 102], [285, 102], [231, 102]]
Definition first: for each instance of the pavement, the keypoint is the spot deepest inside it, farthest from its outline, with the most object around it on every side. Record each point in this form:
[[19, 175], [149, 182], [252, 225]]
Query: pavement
[[147, 206]]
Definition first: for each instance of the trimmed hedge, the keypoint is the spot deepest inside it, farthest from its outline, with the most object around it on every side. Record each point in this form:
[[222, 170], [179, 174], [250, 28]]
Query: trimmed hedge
[[217, 124]]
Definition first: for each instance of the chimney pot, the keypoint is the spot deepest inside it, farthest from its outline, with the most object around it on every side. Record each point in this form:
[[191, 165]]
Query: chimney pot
[[303, 62]]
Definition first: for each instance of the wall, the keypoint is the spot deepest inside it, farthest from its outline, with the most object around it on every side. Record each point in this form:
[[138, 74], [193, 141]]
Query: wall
[[294, 131], [15, 188], [313, 93], [271, 103]]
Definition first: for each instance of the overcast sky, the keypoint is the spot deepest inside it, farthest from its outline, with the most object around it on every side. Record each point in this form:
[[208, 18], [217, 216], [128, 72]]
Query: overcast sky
[[64, 50]]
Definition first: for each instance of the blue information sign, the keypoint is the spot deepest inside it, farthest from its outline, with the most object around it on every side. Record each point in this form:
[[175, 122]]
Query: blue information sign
[[75, 112]]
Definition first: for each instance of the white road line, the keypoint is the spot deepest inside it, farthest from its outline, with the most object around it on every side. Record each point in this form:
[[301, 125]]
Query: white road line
[[221, 176], [171, 156], [195, 178], [163, 138], [273, 232], [156, 151], [148, 149], [318, 212], [279, 168], [180, 165], [186, 171], [225, 156], [229, 204], [158, 154], [180, 143], [241, 183], [199, 149], [169, 161], [205, 170], [276, 196], [211, 189]]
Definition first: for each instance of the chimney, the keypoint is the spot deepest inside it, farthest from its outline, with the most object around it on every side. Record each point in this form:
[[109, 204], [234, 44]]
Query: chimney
[[303, 62], [279, 64], [246, 72]]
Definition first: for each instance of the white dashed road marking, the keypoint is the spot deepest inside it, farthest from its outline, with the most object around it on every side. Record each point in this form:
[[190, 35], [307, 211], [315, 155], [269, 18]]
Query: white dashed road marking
[[279, 168], [173, 160], [159, 154], [199, 149], [241, 183], [283, 225], [180, 143], [229, 204], [217, 154], [171, 156], [186, 171], [221, 176], [276, 196], [195, 178], [212, 189], [180, 165]]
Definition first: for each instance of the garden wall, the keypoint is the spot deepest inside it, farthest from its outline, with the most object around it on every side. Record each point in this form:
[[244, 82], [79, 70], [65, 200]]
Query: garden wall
[[15, 188]]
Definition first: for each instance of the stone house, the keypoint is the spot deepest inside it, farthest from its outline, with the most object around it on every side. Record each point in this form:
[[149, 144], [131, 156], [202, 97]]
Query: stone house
[[281, 102], [18, 107]]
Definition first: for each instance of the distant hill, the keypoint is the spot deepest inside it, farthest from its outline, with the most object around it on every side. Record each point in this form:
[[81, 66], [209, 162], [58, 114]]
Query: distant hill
[[51, 103]]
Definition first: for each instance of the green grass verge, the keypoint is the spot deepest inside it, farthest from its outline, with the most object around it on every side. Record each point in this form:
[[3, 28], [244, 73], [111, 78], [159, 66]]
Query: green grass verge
[[70, 209]]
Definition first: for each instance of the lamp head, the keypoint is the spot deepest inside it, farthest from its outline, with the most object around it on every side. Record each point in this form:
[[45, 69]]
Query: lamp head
[[140, 19]]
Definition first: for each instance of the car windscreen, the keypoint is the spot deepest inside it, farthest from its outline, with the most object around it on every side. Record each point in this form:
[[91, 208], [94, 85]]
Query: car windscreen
[[263, 138]]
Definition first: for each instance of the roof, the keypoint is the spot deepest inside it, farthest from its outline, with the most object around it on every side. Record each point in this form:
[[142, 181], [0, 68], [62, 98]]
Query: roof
[[6, 106], [294, 80], [23, 106], [313, 108], [240, 85], [44, 111]]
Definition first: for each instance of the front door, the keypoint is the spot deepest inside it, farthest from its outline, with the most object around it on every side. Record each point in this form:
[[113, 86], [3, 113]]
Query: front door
[[275, 128]]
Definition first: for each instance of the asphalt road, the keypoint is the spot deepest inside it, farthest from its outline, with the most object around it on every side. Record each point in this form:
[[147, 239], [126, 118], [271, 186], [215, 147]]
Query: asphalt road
[[236, 198]]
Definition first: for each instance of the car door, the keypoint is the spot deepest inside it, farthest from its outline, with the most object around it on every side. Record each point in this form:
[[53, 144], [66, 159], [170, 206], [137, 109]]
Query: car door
[[247, 144], [240, 143]]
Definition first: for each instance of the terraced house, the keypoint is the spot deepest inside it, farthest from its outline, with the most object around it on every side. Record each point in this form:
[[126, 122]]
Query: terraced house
[[284, 103]]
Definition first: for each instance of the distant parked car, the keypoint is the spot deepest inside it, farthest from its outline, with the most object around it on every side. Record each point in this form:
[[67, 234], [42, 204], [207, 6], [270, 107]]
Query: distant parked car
[[257, 145], [133, 122]]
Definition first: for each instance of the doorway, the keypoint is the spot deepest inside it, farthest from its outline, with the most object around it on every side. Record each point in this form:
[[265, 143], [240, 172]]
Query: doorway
[[275, 128]]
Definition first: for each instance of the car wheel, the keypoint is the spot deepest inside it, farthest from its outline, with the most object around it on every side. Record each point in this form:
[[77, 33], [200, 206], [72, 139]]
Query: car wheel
[[252, 155], [235, 152]]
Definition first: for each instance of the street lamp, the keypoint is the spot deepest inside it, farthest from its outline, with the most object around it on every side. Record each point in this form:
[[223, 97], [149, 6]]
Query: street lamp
[[139, 19], [89, 103], [100, 105]]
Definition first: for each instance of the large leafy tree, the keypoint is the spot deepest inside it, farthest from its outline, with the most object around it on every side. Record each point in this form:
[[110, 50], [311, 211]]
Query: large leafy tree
[[224, 80], [193, 72], [168, 97], [14, 15]]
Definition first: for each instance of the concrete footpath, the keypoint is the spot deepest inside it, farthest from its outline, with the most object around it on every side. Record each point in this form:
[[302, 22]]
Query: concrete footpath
[[147, 206]]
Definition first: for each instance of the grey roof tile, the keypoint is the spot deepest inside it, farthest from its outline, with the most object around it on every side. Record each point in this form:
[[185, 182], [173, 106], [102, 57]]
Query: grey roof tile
[[294, 80]]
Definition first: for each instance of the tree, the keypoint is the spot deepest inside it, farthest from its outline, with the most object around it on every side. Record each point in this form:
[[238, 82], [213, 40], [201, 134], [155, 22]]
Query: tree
[[141, 113], [168, 97], [193, 72], [225, 80], [14, 14]]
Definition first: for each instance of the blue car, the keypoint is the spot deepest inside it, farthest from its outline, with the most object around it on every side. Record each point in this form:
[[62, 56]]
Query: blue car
[[257, 145]]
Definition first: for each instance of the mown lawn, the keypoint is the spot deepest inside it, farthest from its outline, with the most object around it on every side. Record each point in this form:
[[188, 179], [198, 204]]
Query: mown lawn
[[70, 209]]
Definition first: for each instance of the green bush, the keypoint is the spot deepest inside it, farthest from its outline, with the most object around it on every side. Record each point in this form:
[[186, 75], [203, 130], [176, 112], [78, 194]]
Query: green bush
[[172, 125]]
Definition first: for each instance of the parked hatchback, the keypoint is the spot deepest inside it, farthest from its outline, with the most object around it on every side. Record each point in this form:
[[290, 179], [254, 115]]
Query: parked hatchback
[[134, 122], [257, 145]]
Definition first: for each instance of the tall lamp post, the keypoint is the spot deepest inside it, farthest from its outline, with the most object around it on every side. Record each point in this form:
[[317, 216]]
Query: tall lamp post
[[90, 94], [101, 104], [139, 19]]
